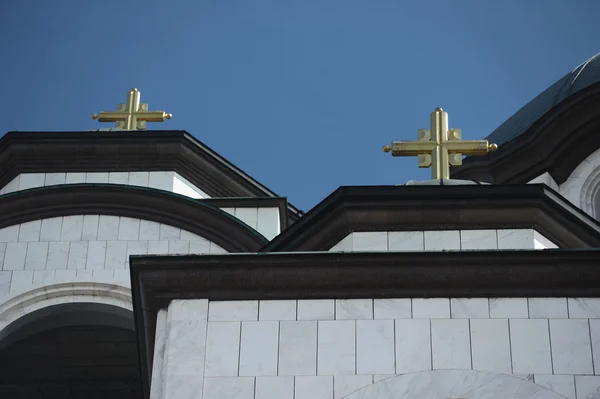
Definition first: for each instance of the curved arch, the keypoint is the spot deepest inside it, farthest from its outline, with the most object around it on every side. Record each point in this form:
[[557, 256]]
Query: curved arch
[[454, 384], [135, 202], [584, 184]]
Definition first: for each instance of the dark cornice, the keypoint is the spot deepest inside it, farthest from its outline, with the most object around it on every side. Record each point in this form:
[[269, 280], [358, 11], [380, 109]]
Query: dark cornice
[[125, 151], [157, 280], [558, 142], [422, 208], [135, 202]]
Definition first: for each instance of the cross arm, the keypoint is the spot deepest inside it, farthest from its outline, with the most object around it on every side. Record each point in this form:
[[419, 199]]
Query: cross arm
[[152, 116], [411, 148], [110, 116], [469, 147]]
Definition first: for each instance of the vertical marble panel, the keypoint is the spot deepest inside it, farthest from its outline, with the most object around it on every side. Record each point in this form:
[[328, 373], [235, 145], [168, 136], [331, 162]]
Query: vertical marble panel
[[353, 309], [442, 240], [595, 338], [233, 311], [77, 255], [30, 231], [58, 255], [548, 308], [571, 347], [509, 308], [37, 254], [413, 346], [346, 384], [14, 257], [337, 347], [258, 351], [530, 346], [370, 241], [392, 308], [431, 308], [96, 255], [587, 387], [450, 344], [108, 228], [313, 387], [149, 230], [515, 239], [375, 347], [31, 180], [277, 310], [116, 252], [469, 308], [562, 384], [72, 228], [129, 229], [478, 239], [118, 178], [490, 345], [50, 229], [400, 241], [90, 227], [584, 308], [159, 353], [268, 223], [297, 348], [274, 388], [228, 388], [222, 349], [75, 178], [316, 309]]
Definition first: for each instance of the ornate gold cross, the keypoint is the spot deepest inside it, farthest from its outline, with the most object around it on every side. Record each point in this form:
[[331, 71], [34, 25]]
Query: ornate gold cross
[[439, 147], [132, 115]]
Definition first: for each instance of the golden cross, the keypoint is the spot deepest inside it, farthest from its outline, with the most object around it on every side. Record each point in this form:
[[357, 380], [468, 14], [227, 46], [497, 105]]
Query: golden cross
[[439, 147], [132, 115]]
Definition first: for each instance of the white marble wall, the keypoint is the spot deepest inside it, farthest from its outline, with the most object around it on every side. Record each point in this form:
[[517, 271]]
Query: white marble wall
[[458, 240], [310, 349], [90, 248]]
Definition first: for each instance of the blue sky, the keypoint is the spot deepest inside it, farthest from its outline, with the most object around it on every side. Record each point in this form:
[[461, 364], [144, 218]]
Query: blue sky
[[301, 95]]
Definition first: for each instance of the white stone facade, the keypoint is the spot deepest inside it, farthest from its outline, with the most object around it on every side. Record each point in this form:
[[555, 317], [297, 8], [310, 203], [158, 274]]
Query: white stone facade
[[330, 348]]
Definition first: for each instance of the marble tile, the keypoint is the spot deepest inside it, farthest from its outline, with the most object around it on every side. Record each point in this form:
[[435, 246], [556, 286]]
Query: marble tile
[[22, 280], [214, 249], [161, 180], [375, 347], [31, 180], [123, 277], [400, 241], [75, 178], [548, 308], [584, 308], [96, 255], [149, 230], [72, 228], [541, 242], [392, 308], [469, 308], [571, 347], [58, 255], [345, 245], [118, 178], [268, 223], [515, 239], [116, 253], [258, 350], [84, 275], [200, 246], [222, 349], [96, 177], [2, 252], [37, 255], [413, 346], [64, 276], [233, 310], [450, 344], [179, 247], [30, 231], [14, 257], [248, 216], [90, 228], [188, 309], [104, 276], [346, 384], [313, 387], [478, 239], [54, 179], [490, 345], [370, 241], [108, 228], [509, 308], [136, 248], [431, 308], [169, 232], [159, 353], [77, 255], [230, 211], [562, 384], [43, 277], [381, 377], [442, 240], [50, 229], [141, 179], [336, 347], [158, 247], [129, 229], [587, 387], [277, 310], [297, 348], [530, 346], [316, 309], [595, 339], [188, 236], [10, 233], [274, 388], [12, 186], [353, 309], [5, 277]]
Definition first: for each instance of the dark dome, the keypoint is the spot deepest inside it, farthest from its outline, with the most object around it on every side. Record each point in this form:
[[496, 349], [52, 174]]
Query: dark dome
[[581, 77]]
